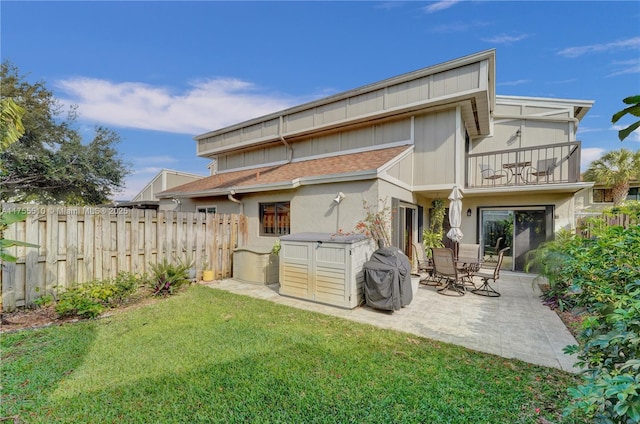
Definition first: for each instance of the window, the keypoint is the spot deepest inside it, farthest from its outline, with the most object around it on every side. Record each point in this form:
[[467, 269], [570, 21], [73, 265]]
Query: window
[[207, 209], [605, 195], [275, 219], [602, 195]]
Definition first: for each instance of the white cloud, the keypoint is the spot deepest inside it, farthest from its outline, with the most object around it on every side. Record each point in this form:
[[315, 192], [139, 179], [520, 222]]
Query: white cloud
[[588, 155], [206, 105], [459, 26], [505, 39], [572, 52], [440, 5], [628, 67], [516, 82]]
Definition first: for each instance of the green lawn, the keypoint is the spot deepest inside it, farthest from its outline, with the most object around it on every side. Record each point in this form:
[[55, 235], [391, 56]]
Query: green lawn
[[210, 356]]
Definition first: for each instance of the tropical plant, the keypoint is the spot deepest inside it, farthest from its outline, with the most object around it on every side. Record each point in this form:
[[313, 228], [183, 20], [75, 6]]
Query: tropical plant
[[600, 275], [11, 128], [6, 219], [615, 169], [633, 109], [166, 277], [432, 236]]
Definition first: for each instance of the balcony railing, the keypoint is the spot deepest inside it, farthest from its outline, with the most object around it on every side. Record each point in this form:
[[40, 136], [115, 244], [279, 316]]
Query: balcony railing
[[540, 165]]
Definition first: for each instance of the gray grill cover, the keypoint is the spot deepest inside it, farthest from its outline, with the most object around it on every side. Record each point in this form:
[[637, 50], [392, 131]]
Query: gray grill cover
[[387, 280]]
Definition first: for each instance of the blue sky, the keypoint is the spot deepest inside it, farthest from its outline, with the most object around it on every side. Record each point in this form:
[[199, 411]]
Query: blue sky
[[160, 73]]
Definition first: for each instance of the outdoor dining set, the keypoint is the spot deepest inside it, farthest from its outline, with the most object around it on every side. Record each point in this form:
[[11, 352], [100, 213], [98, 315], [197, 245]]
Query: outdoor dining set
[[453, 271]]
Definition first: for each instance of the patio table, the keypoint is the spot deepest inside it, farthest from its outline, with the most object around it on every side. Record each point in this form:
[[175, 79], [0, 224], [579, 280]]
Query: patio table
[[516, 169], [468, 267]]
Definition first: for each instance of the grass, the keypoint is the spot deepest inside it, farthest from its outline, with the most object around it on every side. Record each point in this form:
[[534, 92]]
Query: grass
[[210, 356]]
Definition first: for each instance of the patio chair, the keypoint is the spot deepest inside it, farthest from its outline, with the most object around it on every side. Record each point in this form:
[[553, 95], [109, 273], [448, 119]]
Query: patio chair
[[493, 250], [444, 267], [424, 265], [468, 250], [471, 252], [485, 288], [544, 168], [489, 174]]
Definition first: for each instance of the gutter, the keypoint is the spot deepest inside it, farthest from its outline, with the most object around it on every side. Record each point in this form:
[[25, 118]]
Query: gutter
[[575, 121]]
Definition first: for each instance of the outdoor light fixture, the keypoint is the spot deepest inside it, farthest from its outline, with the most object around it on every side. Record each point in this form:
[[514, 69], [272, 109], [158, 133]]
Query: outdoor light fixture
[[518, 133], [469, 212], [339, 197]]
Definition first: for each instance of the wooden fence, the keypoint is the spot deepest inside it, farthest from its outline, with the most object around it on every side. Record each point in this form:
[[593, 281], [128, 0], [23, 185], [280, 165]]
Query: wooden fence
[[79, 244], [584, 225]]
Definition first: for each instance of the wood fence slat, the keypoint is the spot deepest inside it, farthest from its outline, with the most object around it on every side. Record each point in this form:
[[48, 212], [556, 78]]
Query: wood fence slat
[[150, 239], [72, 248], [134, 216], [88, 247], [36, 287], [51, 249]]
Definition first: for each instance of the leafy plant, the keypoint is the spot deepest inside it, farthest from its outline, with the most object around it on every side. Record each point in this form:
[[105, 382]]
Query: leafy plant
[[376, 223], [6, 219], [633, 109], [432, 237], [90, 299], [166, 277], [602, 275], [275, 249]]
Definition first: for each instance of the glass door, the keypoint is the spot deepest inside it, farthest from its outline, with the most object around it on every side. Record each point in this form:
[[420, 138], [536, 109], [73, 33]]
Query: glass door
[[496, 233], [520, 229]]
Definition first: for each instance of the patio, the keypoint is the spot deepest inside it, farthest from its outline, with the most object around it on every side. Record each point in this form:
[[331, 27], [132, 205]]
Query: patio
[[515, 325]]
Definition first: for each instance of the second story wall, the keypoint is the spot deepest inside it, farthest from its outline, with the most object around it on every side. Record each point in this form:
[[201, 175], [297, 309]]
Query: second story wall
[[368, 137], [435, 148]]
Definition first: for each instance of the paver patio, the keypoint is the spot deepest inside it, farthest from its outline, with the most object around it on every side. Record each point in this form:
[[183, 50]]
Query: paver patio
[[515, 325]]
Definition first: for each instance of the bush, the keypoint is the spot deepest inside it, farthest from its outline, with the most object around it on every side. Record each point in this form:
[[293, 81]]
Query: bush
[[90, 299], [166, 278], [602, 275]]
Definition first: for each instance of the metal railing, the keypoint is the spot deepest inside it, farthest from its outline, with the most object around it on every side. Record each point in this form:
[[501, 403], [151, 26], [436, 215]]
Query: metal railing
[[540, 165]]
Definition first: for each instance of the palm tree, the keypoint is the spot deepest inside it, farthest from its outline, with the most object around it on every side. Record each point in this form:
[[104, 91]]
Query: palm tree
[[615, 170]]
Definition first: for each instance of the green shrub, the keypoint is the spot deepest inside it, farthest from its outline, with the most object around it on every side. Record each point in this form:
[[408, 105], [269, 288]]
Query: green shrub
[[90, 299], [602, 275], [166, 277]]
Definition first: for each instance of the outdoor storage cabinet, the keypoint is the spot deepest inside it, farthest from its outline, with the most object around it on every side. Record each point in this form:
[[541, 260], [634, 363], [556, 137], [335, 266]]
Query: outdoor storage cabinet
[[324, 267]]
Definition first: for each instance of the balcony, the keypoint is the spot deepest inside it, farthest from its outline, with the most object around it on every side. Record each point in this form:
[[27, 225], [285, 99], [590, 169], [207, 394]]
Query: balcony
[[540, 165]]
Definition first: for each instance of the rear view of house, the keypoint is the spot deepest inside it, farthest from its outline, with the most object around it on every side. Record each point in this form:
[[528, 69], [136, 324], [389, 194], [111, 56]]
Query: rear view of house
[[406, 140]]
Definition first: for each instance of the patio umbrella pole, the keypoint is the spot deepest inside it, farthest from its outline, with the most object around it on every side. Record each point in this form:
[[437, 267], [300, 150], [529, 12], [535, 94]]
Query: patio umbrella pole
[[455, 219]]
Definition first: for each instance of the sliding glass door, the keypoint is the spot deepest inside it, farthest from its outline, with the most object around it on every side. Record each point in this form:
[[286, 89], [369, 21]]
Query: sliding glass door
[[521, 230]]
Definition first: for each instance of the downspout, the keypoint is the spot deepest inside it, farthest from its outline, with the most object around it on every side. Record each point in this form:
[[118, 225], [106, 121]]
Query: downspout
[[234, 200], [287, 145]]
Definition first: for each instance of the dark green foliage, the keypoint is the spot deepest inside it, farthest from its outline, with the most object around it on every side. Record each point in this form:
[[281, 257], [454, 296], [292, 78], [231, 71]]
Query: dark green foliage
[[50, 163], [634, 110], [90, 299], [602, 276], [166, 277]]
